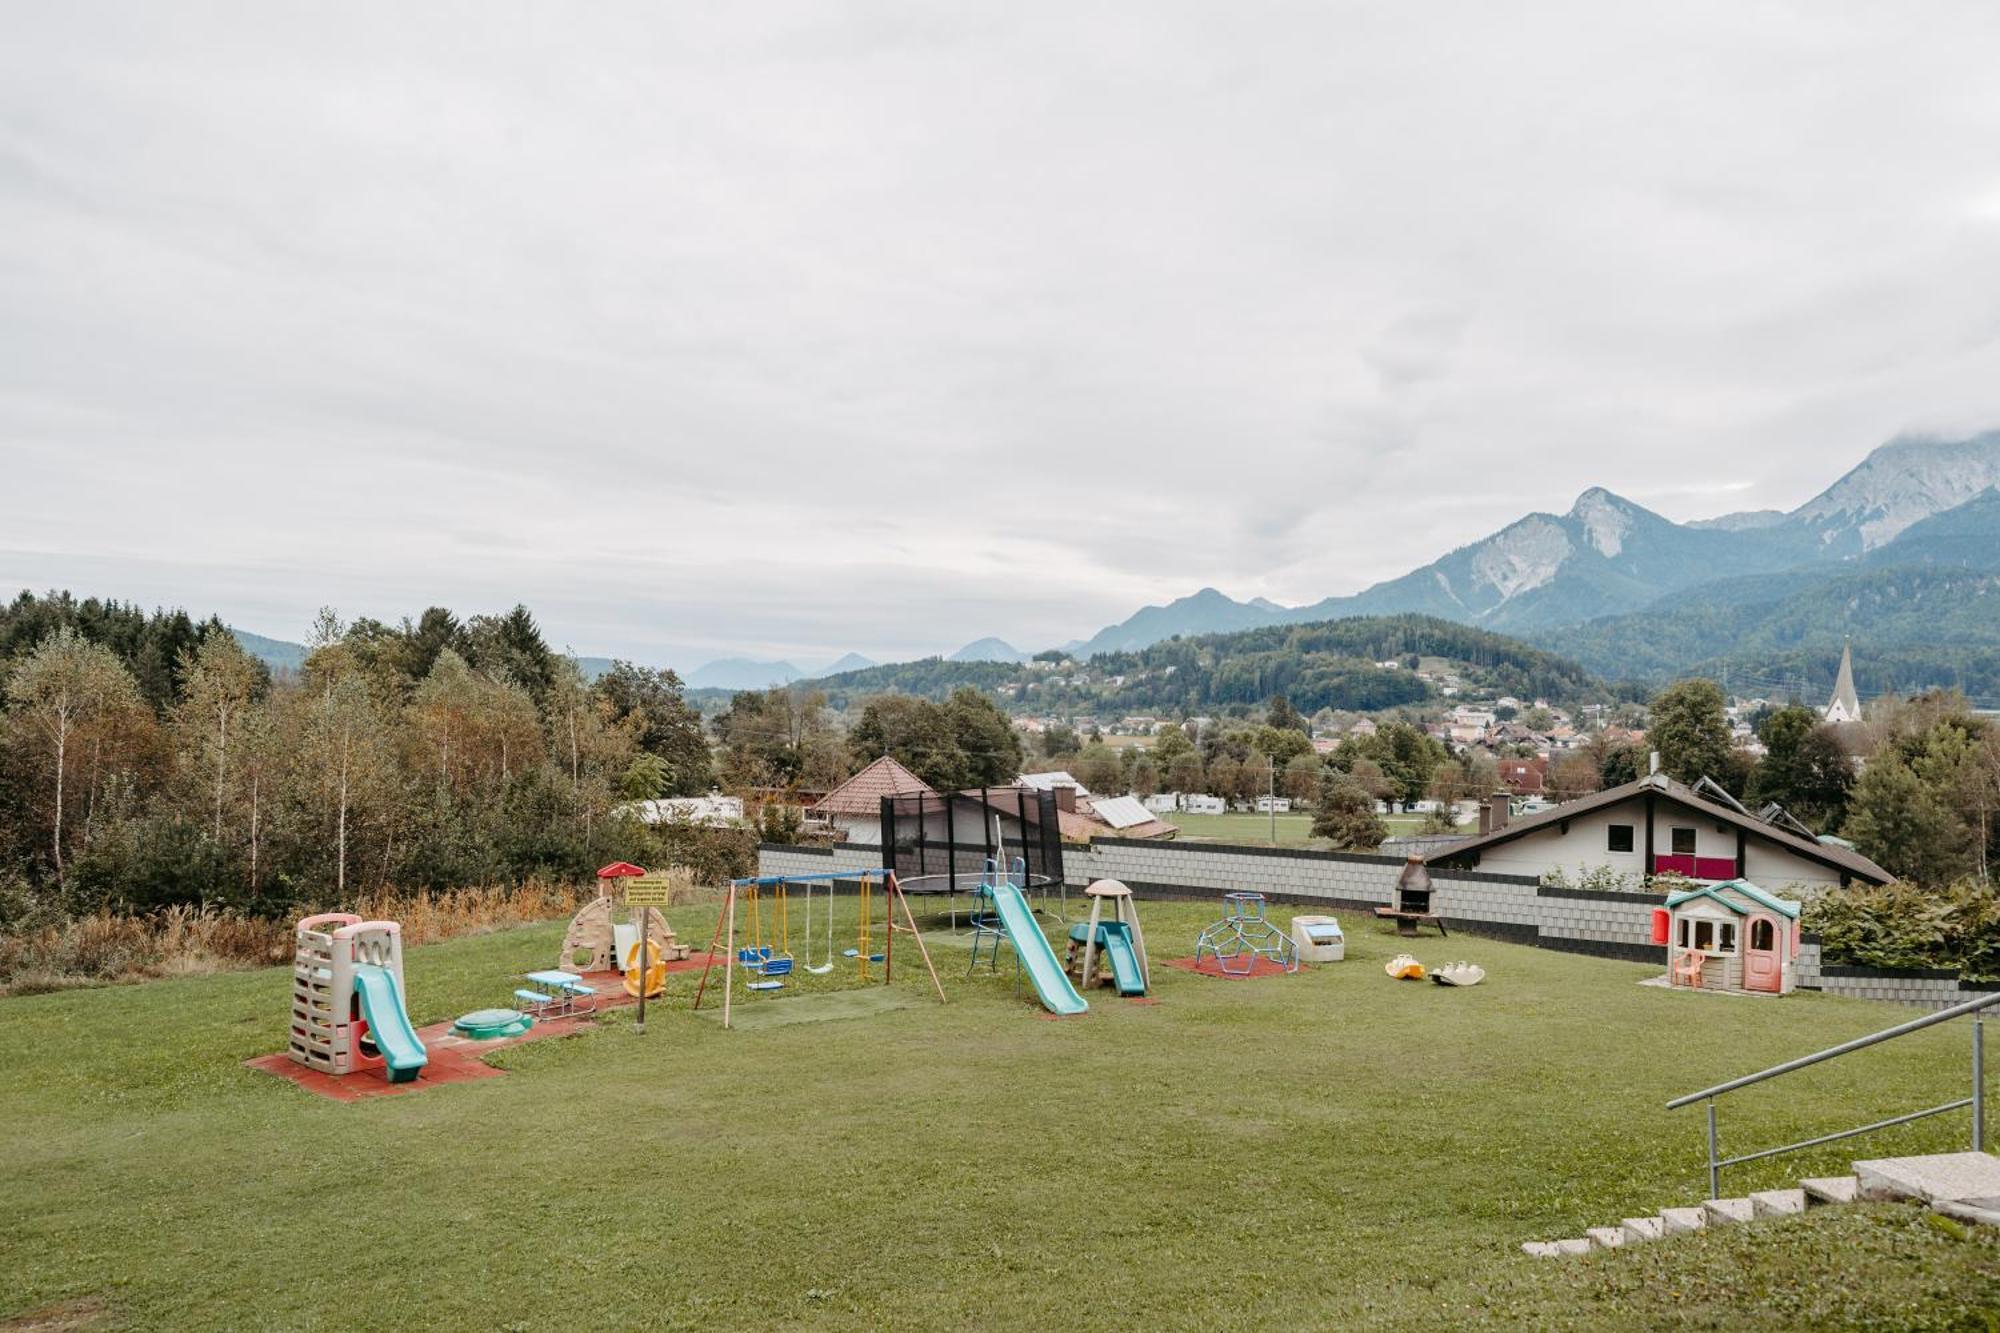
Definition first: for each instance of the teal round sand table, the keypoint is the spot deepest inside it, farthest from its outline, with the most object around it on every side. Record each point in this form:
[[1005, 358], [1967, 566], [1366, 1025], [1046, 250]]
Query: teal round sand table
[[491, 1024]]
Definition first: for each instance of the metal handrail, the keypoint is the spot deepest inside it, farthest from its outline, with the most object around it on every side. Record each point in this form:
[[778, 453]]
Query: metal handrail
[[1977, 1101]]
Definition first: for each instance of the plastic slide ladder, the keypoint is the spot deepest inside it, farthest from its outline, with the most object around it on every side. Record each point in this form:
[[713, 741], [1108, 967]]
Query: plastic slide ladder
[[1117, 938], [1038, 960], [389, 1023]]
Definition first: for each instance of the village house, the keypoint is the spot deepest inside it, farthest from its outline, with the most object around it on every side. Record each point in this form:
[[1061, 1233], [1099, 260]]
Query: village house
[[1525, 777], [853, 810], [1657, 826]]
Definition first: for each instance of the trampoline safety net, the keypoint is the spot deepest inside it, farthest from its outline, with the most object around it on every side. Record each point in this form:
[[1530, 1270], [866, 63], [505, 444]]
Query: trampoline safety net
[[940, 842]]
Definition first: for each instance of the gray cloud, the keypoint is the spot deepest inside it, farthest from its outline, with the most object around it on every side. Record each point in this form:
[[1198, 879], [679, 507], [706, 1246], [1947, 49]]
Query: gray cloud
[[791, 330]]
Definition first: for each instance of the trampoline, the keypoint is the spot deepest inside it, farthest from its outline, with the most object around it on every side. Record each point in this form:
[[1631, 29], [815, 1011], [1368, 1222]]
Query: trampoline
[[942, 844]]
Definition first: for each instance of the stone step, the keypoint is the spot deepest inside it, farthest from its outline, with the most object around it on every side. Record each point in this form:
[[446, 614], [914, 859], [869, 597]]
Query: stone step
[[1727, 1210], [1778, 1203], [1642, 1228], [1985, 1212], [1573, 1245], [1606, 1238], [1540, 1249], [1680, 1221], [1938, 1178], [1829, 1189]]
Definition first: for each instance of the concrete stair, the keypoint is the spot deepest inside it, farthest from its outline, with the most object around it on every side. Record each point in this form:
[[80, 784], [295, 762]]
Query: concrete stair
[[1680, 1221], [1964, 1185], [1830, 1189], [1777, 1203], [1638, 1229], [1943, 1178]]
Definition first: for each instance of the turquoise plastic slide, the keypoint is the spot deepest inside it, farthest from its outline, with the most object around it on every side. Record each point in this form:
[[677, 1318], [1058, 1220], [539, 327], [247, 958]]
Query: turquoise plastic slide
[[389, 1023], [1125, 972], [1038, 960]]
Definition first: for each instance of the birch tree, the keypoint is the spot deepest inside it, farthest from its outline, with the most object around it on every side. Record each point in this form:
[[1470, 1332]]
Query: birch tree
[[61, 697], [345, 760], [218, 683]]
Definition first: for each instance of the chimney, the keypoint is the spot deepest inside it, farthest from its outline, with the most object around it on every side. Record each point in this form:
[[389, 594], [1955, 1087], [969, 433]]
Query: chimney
[[1652, 763], [1066, 799], [1485, 819], [1500, 803]]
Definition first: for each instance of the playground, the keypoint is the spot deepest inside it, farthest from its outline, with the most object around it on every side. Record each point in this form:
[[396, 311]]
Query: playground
[[1324, 1144]]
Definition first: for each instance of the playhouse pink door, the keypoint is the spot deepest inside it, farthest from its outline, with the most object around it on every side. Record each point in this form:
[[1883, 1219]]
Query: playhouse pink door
[[1763, 964]]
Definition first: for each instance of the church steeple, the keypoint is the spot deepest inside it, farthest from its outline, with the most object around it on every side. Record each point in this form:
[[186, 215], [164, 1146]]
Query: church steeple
[[1845, 706]]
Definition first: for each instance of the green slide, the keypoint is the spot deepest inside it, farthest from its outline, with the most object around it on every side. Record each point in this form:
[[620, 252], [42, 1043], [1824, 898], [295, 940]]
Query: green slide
[[1032, 948], [1125, 973], [389, 1023]]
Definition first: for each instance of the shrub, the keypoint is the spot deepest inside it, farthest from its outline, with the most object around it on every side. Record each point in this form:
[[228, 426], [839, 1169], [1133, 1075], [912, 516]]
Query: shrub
[[41, 954], [1901, 925]]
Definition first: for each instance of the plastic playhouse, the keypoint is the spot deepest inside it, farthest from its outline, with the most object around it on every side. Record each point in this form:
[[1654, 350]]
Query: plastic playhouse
[[1731, 936], [1245, 942], [347, 999], [1109, 952]]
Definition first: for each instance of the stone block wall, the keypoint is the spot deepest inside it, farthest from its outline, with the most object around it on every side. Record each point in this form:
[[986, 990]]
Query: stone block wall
[[839, 859]]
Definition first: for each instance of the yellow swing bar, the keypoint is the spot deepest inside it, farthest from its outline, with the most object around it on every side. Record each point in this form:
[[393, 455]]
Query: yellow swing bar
[[864, 933]]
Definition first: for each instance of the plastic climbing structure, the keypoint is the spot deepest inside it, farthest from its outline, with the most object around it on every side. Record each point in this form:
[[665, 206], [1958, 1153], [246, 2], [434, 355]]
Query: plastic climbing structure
[[1243, 936]]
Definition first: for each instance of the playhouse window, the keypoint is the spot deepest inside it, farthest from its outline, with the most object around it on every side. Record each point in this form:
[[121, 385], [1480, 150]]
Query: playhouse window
[[1683, 842], [1762, 936], [1618, 838], [1704, 936], [1725, 939]]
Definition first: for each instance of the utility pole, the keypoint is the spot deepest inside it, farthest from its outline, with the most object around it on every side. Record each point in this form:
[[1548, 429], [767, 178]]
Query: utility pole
[[1271, 771]]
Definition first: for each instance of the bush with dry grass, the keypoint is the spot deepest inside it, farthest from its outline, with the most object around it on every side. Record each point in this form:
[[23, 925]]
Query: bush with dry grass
[[47, 955]]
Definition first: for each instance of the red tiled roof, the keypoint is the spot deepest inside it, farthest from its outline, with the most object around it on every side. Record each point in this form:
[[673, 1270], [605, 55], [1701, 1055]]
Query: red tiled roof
[[862, 794]]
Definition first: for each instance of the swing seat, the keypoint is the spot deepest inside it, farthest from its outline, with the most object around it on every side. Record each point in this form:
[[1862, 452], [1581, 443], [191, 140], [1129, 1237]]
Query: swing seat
[[776, 967], [765, 985]]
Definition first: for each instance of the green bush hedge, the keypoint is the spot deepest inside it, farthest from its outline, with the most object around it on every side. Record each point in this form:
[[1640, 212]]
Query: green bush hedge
[[1901, 925]]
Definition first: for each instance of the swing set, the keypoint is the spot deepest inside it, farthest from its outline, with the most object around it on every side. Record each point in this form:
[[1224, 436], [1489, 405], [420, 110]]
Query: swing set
[[767, 955]]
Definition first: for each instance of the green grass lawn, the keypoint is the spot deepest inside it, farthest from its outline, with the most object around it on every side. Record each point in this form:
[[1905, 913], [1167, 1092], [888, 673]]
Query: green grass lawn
[[1294, 830], [1252, 829], [1329, 1149]]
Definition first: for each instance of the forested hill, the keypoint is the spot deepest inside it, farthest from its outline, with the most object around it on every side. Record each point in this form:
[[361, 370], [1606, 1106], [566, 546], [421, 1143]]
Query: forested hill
[[1332, 664], [1911, 628]]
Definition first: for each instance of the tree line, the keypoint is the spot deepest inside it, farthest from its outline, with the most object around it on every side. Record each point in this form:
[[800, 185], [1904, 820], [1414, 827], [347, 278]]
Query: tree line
[[148, 760]]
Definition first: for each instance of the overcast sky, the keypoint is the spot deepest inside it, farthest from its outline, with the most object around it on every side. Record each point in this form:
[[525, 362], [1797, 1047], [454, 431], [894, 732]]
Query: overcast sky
[[783, 331]]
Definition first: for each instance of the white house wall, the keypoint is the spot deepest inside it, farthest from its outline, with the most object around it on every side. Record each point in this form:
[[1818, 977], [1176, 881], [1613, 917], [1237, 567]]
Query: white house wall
[[1587, 844]]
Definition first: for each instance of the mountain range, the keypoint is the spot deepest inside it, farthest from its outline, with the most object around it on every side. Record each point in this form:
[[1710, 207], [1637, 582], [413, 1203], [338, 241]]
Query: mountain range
[[988, 650], [1630, 593], [1608, 556]]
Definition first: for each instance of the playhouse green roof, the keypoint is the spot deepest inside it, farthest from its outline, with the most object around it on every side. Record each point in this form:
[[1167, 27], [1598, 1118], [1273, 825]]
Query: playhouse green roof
[[1782, 906]]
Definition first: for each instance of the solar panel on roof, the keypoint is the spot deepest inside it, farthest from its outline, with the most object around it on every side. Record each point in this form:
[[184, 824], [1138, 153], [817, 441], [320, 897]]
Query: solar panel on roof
[[1121, 811]]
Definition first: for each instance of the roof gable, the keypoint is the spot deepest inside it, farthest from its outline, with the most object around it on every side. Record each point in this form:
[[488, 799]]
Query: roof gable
[[1742, 888], [862, 794]]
